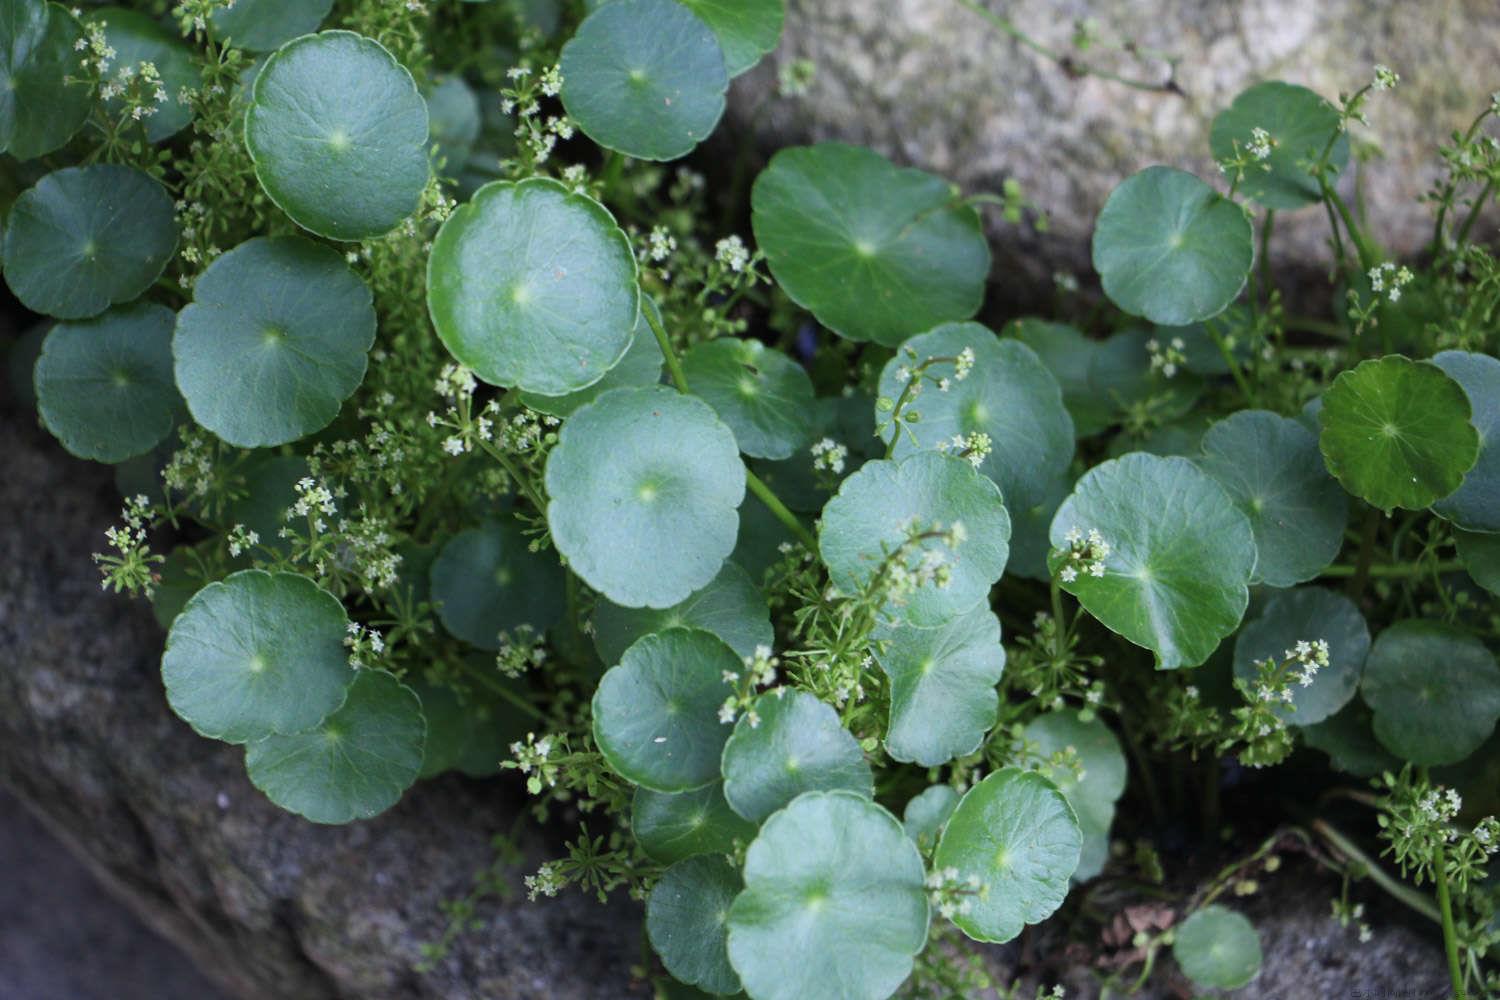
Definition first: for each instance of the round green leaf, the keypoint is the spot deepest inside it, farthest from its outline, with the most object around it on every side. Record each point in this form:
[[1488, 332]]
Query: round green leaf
[[274, 341], [1120, 373], [1068, 354], [926, 813], [533, 286], [1009, 395], [263, 25], [640, 365], [1093, 790], [876, 252], [257, 654], [1300, 124], [1016, 832], [833, 899], [86, 238], [1271, 468], [1029, 525], [943, 679], [867, 520], [447, 727], [137, 38], [1480, 555], [798, 746], [1308, 614], [1435, 691], [671, 826], [1168, 247], [338, 134], [731, 607], [1396, 432], [746, 29], [354, 764], [764, 396], [644, 486], [1217, 949], [45, 100], [687, 919], [1348, 738], [645, 78], [104, 385], [1176, 579], [1476, 504], [453, 122], [656, 714], [486, 580]]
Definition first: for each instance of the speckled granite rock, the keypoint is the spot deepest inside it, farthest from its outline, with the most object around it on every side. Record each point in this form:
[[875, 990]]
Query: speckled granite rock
[[267, 904], [934, 85]]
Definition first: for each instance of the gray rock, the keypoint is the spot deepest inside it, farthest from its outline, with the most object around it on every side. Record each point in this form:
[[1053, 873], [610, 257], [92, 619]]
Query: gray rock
[[932, 84], [268, 905]]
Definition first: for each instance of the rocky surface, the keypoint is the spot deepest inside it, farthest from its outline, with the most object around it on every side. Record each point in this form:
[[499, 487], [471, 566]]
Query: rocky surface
[[932, 84], [268, 905]]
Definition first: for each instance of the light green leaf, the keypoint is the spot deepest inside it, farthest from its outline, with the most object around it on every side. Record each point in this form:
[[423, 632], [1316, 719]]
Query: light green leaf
[[943, 679], [746, 29], [1348, 738], [1068, 354], [687, 917], [833, 895], [486, 580], [640, 365], [764, 396], [926, 813], [867, 520], [1480, 555], [1009, 395], [1476, 504], [257, 654], [656, 714], [671, 826], [1176, 579], [645, 78], [338, 134], [1017, 834], [1435, 690], [354, 764], [1300, 126], [1168, 247], [1271, 468], [1308, 614], [645, 484], [137, 39], [874, 251], [274, 341], [798, 746], [1093, 792], [264, 25], [46, 99], [86, 238], [1396, 432], [731, 607], [104, 385], [534, 287], [1217, 949]]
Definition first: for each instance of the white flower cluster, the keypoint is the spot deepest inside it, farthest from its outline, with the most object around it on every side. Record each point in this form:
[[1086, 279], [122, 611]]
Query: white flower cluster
[[934, 567], [731, 253], [365, 645], [963, 364], [760, 672], [533, 759], [1390, 279], [548, 881], [241, 539], [1385, 78], [1440, 805], [1308, 658], [520, 650], [829, 456], [952, 895], [1260, 144], [1168, 360], [1085, 554], [975, 447], [190, 470], [313, 499], [660, 245]]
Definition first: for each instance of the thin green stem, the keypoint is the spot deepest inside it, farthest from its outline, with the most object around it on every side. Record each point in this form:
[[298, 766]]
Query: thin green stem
[[1266, 228], [1234, 363], [1361, 571], [1473, 217], [780, 510], [495, 687], [1398, 891], [757, 486], [1452, 187], [515, 475], [1445, 909], [1395, 572]]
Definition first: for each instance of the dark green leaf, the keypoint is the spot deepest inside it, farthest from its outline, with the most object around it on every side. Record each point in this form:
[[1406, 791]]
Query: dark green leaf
[[264, 25], [486, 580], [764, 396], [789, 743], [1300, 127], [1305, 615], [671, 826], [687, 919], [1476, 504], [746, 29], [1093, 788], [1435, 691], [926, 813], [731, 607], [45, 101]]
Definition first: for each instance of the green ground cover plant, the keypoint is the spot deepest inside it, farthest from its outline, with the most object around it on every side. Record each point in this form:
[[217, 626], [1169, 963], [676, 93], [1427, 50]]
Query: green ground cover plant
[[463, 425]]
